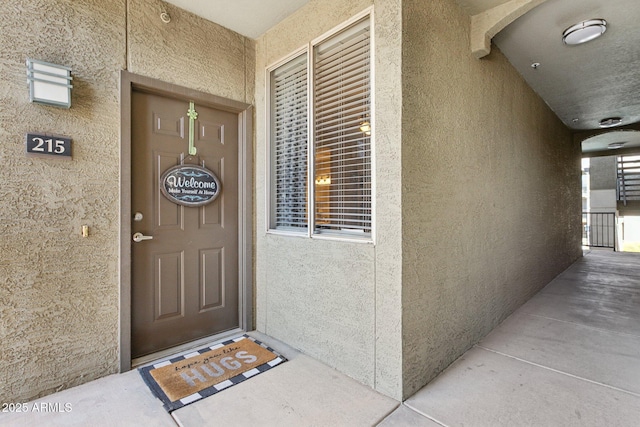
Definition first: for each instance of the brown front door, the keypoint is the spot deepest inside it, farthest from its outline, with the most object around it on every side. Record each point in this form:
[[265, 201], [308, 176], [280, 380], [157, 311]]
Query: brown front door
[[184, 279]]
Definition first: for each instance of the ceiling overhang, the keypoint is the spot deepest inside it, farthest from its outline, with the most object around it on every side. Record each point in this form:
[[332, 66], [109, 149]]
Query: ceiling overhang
[[485, 25], [250, 18], [594, 142]]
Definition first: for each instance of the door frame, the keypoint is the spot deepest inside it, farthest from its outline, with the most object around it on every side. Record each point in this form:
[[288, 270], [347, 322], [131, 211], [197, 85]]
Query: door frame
[[128, 83]]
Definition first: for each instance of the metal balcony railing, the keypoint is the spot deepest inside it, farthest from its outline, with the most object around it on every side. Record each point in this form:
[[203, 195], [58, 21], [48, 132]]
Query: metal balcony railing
[[628, 187], [599, 229]]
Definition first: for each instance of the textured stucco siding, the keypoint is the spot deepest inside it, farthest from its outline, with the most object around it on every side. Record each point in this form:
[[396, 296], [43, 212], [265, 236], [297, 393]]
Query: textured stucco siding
[[491, 191], [189, 51], [59, 292], [388, 196], [476, 191], [335, 300], [603, 173]]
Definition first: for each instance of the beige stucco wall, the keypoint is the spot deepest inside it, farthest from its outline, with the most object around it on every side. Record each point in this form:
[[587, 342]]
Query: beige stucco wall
[[603, 173], [491, 191], [477, 191], [59, 292], [335, 300], [189, 51]]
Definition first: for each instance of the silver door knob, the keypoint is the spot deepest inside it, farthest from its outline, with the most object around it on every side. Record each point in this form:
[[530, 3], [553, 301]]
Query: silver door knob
[[139, 237]]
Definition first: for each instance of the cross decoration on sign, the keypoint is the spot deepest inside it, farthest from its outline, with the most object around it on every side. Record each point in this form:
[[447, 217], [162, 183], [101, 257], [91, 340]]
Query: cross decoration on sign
[[193, 115]]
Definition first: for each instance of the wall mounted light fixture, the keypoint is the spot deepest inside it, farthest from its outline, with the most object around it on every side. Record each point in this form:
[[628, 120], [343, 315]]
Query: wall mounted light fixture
[[49, 84]]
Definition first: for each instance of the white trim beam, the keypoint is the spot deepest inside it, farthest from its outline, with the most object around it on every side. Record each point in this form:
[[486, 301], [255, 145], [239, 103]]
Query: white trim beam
[[485, 25]]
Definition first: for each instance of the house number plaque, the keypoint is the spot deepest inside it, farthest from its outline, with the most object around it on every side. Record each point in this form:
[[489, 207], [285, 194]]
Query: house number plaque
[[190, 185], [48, 145]]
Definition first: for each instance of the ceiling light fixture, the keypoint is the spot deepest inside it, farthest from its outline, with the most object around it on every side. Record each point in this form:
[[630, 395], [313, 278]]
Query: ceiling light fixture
[[584, 31], [610, 122], [615, 145]]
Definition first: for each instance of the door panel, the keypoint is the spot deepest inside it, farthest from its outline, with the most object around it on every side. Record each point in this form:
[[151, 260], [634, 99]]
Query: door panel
[[211, 289], [168, 284], [168, 215], [184, 280]]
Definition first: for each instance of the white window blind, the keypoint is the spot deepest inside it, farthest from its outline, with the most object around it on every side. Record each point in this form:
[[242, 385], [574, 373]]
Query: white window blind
[[342, 132], [289, 143]]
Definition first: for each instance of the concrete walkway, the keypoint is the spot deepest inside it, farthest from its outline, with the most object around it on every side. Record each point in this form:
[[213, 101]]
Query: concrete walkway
[[300, 392], [569, 357]]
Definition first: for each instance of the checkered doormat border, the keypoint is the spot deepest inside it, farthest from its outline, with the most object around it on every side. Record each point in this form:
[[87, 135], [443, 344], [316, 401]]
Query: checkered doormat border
[[173, 405]]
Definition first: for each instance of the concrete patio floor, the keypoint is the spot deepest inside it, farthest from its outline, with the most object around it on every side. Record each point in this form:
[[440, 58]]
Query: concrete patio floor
[[568, 357]]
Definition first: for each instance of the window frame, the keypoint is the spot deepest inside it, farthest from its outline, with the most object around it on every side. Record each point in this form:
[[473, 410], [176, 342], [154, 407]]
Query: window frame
[[308, 50], [270, 145]]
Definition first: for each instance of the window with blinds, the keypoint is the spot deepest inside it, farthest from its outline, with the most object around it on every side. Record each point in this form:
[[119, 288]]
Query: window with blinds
[[289, 144], [342, 132], [337, 131]]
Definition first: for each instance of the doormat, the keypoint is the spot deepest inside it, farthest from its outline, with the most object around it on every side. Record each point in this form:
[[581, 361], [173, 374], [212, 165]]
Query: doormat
[[186, 379]]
